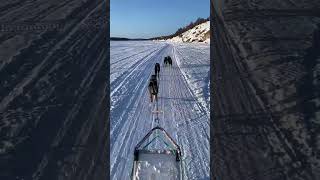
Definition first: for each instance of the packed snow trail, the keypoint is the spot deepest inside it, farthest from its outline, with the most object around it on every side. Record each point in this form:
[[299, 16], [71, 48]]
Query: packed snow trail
[[183, 116]]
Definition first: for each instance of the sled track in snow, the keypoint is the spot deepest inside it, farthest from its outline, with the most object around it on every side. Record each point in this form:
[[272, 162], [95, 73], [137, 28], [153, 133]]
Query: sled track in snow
[[182, 117]]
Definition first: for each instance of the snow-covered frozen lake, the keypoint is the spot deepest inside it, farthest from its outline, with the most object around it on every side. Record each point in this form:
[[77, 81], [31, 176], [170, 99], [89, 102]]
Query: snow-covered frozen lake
[[183, 98]]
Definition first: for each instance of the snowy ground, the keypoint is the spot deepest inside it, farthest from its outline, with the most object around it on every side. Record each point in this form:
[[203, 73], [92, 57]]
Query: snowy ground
[[184, 100]]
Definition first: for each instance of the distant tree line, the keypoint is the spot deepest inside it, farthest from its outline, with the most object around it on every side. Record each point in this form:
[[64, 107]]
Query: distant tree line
[[183, 29]]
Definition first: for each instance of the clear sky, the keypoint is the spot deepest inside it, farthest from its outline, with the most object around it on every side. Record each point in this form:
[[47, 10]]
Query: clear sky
[[150, 18]]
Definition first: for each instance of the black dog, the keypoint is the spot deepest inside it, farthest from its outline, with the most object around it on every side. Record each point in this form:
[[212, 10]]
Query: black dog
[[165, 61], [157, 69], [153, 88], [169, 60]]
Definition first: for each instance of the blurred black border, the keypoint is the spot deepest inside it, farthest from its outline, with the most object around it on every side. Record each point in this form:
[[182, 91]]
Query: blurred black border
[[65, 133], [265, 121]]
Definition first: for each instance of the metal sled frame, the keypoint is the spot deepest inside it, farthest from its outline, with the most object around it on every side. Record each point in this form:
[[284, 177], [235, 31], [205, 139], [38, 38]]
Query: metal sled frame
[[142, 150]]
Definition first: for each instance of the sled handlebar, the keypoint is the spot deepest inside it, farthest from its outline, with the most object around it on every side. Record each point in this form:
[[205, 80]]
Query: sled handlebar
[[165, 132]]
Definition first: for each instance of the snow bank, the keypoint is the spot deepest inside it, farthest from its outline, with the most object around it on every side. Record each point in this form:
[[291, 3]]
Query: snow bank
[[200, 33]]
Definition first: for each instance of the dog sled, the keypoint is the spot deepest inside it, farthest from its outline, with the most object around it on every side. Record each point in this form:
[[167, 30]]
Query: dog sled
[[157, 157]]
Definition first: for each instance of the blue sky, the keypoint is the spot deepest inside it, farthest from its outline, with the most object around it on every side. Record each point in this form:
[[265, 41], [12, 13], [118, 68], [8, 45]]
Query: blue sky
[[150, 18]]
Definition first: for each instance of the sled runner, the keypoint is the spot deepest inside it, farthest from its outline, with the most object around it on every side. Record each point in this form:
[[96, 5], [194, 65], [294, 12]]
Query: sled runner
[[152, 162]]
